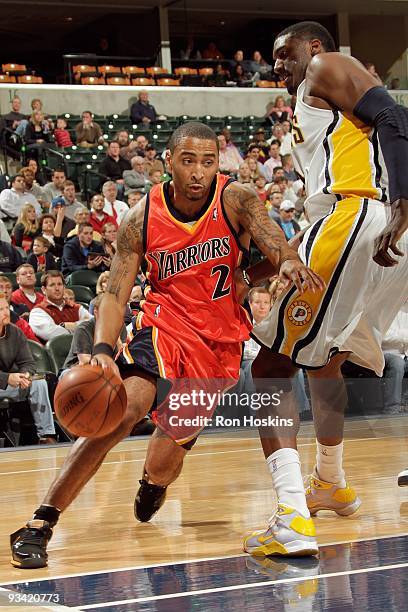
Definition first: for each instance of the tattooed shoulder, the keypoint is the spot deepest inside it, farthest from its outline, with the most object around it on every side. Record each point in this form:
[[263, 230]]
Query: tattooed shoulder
[[130, 234]]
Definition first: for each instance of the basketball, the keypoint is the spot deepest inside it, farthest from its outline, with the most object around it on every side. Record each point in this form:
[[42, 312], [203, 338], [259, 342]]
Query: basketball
[[90, 401]]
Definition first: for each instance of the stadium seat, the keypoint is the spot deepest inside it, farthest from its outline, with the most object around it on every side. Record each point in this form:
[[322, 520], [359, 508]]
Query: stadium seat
[[206, 71], [58, 349], [143, 81], [86, 278], [12, 277], [14, 68], [265, 84], [83, 69], [118, 80], [166, 82], [5, 78], [110, 70], [41, 357], [92, 80], [82, 293], [28, 78], [156, 71], [133, 70]]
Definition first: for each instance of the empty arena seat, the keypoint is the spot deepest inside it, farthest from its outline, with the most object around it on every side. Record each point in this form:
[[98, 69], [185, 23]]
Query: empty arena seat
[[118, 80], [143, 81], [167, 82], [6, 78], [265, 84], [206, 71], [86, 278], [14, 68], [92, 80], [133, 70], [156, 70], [42, 358], [58, 349], [110, 70], [83, 69], [28, 78], [185, 70]]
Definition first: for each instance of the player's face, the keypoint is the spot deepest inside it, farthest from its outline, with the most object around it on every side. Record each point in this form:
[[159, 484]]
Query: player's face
[[194, 164], [292, 57]]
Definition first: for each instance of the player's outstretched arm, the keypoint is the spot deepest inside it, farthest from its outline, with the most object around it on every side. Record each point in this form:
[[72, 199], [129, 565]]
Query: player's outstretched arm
[[244, 207], [124, 269], [346, 85]]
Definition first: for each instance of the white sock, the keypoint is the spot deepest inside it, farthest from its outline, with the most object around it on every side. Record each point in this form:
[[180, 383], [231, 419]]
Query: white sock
[[329, 463], [284, 466]]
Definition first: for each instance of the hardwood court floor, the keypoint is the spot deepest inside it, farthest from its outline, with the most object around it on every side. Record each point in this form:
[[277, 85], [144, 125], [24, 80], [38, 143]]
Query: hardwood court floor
[[223, 492]]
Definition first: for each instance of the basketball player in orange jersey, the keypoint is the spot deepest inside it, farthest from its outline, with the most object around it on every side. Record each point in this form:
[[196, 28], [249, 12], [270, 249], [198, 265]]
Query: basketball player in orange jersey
[[348, 133], [192, 232]]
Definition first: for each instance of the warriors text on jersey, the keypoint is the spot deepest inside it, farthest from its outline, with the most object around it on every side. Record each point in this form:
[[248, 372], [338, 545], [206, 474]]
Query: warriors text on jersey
[[337, 155]]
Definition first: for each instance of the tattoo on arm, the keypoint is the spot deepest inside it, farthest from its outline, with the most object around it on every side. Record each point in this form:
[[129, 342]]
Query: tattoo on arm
[[253, 216], [129, 250]]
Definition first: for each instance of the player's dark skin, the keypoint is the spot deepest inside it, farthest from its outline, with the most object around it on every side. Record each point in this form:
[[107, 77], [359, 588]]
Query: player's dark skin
[[333, 81], [193, 163]]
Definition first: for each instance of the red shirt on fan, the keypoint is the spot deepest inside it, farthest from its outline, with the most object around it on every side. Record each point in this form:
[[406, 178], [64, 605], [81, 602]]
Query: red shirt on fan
[[19, 297], [62, 138], [98, 224]]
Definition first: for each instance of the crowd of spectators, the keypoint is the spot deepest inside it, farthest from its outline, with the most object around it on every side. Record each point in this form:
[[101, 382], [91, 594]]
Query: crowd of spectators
[[54, 232]]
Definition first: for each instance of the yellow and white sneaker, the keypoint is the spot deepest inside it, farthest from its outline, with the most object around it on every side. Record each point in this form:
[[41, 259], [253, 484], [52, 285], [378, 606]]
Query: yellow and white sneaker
[[289, 533], [322, 495]]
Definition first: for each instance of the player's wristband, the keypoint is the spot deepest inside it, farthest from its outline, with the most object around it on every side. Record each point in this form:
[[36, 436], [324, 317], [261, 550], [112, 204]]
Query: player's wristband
[[103, 348], [246, 278]]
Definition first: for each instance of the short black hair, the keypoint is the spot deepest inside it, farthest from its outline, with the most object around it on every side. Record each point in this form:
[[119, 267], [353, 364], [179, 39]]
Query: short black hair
[[307, 30], [192, 129]]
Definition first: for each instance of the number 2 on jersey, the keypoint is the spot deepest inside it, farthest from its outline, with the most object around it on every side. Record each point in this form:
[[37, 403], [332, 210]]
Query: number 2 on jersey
[[220, 289]]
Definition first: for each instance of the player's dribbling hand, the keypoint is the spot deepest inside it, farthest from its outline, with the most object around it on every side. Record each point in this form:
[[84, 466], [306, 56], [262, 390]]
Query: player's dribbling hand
[[294, 271], [390, 235], [106, 362]]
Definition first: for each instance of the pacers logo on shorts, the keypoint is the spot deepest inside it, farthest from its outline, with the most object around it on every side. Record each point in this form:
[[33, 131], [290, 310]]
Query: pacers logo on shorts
[[299, 313]]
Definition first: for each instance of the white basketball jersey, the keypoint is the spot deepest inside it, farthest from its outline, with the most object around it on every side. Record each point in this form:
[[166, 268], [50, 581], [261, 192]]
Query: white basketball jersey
[[337, 155]]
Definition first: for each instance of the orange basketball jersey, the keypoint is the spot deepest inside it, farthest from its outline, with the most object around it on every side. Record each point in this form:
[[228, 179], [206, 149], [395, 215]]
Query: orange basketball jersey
[[191, 268]]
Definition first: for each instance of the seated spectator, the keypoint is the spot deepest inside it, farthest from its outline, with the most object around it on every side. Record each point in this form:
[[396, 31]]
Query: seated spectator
[[226, 132], [54, 188], [115, 208], [102, 282], [286, 189], [142, 111], [83, 340], [38, 130], [287, 222], [50, 228], [15, 120], [53, 317], [83, 253], [68, 200], [26, 228], [240, 77], [113, 166], [244, 173], [82, 215], [274, 160], [260, 66], [137, 176], [33, 166], [275, 199], [26, 293], [133, 197], [61, 134], [98, 218], [127, 147], [289, 168], [40, 258], [395, 348], [32, 187], [229, 157], [286, 138], [261, 192], [20, 310], [88, 133], [69, 296], [151, 160], [260, 142], [108, 242], [373, 71], [154, 178], [211, 52], [239, 59], [17, 367], [58, 207], [253, 166], [142, 144], [37, 105], [219, 78], [10, 258], [12, 200], [395, 83], [190, 51], [254, 152], [278, 111]]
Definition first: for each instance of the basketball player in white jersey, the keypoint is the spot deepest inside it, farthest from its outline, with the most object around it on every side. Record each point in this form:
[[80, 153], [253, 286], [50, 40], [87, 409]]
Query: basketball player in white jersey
[[344, 126]]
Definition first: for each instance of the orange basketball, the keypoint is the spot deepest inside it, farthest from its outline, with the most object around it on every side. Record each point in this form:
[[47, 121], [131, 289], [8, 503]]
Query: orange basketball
[[90, 401]]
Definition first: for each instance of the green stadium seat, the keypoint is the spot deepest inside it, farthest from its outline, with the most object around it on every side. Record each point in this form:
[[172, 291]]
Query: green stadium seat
[[58, 349], [41, 356], [82, 293], [86, 278]]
